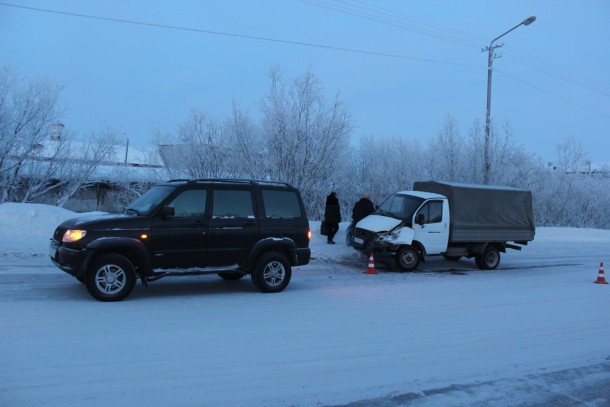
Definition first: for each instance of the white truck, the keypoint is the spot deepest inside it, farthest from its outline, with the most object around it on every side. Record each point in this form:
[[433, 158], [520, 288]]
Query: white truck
[[448, 219]]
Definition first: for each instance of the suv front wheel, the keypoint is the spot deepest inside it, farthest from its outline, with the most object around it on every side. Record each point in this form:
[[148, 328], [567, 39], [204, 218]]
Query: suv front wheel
[[111, 277], [272, 273]]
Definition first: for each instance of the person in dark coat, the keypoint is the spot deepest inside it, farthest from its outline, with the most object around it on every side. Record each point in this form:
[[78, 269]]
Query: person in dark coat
[[363, 208], [332, 216]]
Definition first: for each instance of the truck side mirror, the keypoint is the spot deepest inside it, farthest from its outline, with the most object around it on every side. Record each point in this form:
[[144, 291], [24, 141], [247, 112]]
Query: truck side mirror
[[420, 219], [168, 211]]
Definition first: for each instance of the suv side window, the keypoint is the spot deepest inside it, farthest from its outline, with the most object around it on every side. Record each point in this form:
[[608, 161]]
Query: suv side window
[[281, 204], [433, 212], [232, 203], [190, 204]]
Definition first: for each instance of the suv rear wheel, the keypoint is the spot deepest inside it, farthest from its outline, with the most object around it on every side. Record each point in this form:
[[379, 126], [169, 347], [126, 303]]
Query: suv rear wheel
[[110, 278], [272, 273]]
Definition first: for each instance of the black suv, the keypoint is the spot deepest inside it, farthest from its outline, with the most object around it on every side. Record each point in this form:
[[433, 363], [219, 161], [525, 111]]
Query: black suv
[[186, 227]]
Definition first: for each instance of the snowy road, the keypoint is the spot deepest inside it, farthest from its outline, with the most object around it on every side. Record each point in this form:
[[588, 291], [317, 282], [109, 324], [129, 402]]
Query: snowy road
[[534, 332]]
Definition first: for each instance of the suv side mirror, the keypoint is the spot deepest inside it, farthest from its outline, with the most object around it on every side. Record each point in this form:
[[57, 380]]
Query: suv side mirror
[[168, 211], [420, 219]]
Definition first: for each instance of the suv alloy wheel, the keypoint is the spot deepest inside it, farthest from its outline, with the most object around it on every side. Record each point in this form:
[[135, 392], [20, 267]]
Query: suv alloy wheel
[[110, 278]]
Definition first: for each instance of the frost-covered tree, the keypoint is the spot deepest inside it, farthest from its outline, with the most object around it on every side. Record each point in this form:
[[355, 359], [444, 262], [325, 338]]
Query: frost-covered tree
[[27, 110], [381, 166], [199, 149], [43, 170], [447, 150], [501, 148], [475, 146], [83, 163], [244, 135], [305, 135], [571, 156]]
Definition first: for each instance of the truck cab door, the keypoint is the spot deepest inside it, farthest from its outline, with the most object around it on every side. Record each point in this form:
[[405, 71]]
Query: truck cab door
[[431, 226]]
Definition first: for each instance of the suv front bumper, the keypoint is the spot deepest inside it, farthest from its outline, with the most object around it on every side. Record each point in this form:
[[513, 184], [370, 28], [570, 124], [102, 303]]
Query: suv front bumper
[[69, 260]]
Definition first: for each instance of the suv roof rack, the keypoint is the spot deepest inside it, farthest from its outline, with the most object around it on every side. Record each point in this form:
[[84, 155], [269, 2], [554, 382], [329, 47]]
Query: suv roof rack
[[233, 181]]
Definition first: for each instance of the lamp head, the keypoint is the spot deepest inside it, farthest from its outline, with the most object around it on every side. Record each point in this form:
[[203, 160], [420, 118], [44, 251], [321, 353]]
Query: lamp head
[[529, 20]]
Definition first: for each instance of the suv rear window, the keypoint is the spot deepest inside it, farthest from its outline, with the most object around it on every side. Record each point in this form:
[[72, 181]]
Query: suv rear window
[[281, 204]]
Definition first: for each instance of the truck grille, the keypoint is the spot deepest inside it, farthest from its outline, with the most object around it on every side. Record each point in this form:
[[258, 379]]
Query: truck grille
[[361, 237]]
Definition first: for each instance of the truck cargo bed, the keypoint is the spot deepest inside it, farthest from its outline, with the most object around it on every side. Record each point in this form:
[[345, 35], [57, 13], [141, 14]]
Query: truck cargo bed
[[485, 213]]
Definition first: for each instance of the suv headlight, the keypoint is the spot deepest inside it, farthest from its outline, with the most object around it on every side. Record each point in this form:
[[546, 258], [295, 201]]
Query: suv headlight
[[73, 235]]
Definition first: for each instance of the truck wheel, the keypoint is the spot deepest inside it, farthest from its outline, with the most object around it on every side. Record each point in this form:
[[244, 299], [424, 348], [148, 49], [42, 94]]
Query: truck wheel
[[490, 259], [226, 275], [110, 278], [271, 273], [407, 258]]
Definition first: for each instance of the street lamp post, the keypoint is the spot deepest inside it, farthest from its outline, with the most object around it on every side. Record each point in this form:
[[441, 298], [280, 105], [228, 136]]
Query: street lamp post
[[490, 58]]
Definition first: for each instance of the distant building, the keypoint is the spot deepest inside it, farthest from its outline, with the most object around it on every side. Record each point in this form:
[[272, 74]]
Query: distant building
[[57, 131]]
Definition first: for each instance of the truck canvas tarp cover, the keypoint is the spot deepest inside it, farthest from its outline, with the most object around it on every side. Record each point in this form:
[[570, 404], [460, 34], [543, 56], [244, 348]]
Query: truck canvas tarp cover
[[485, 213]]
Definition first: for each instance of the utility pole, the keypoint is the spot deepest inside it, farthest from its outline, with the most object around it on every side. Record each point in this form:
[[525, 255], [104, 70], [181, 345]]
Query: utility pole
[[126, 148], [490, 58], [486, 163]]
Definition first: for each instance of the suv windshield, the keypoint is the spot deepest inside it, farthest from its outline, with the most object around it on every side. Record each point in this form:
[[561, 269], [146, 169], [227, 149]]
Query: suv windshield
[[149, 200], [401, 206]]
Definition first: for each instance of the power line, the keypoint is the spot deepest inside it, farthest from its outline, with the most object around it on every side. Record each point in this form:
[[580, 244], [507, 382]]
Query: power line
[[322, 46], [242, 36], [388, 17], [362, 9], [552, 94]]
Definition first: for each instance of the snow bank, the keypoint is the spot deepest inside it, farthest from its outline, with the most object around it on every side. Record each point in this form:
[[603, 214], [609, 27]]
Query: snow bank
[[27, 228]]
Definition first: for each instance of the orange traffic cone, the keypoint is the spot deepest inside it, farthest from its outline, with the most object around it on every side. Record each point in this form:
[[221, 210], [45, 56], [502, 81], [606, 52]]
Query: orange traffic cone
[[601, 278], [371, 268]]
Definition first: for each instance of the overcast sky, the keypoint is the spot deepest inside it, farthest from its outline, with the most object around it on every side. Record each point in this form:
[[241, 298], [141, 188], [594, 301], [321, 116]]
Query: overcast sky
[[411, 62]]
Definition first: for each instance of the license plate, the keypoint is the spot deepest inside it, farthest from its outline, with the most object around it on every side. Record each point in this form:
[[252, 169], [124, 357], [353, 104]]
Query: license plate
[[358, 240], [52, 250]]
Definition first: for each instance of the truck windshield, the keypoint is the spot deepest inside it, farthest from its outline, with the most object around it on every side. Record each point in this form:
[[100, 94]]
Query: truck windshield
[[149, 200], [401, 206]]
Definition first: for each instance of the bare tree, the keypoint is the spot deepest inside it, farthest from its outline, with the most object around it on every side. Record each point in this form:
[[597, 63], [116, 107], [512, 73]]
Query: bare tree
[[201, 149], [86, 163], [246, 138], [42, 171], [447, 148], [305, 136], [501, 148], [27, 110], [571, 156]]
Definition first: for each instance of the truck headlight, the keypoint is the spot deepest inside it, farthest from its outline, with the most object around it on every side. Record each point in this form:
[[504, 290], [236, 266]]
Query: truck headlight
[[73, 235]]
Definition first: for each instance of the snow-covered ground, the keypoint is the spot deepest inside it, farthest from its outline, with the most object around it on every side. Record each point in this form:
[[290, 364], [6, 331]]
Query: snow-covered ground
[[534, 332]]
